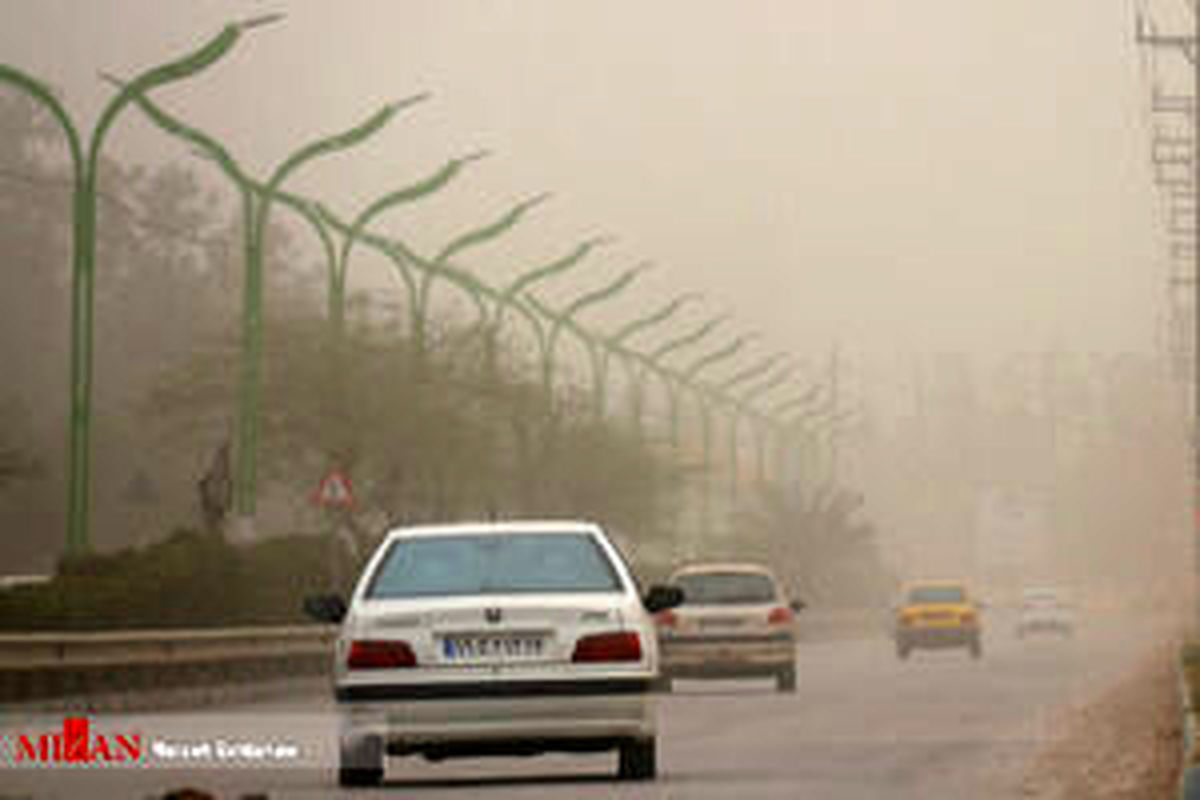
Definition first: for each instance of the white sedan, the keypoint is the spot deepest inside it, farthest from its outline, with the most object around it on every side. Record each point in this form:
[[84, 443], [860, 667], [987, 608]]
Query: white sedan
[[1046, 609], [495, 639]]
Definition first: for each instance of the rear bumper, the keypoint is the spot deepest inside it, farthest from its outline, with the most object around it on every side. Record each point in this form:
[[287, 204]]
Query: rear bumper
[[937, 637], [1045, 624], [719, 657], [513, 718]]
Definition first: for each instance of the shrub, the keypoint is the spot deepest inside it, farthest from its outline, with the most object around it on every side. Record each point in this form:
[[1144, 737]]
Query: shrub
[[190, 580]]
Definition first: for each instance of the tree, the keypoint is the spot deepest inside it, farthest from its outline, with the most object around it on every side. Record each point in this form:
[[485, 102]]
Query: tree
[[827, 556]]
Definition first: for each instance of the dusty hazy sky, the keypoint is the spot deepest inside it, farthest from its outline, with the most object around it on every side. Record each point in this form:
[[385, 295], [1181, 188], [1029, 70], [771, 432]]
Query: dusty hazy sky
[[926, 175]]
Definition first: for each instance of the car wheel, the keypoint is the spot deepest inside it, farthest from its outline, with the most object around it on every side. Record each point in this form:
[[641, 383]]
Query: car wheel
[[976, 648], [360, 762], [663, 684], [636, 761], [785, 680], [902, 651]]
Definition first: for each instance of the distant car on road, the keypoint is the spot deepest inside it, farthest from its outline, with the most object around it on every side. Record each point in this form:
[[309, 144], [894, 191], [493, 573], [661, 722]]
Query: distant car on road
[[511, 638], [1046, 610], [735, 621], [936, 614]]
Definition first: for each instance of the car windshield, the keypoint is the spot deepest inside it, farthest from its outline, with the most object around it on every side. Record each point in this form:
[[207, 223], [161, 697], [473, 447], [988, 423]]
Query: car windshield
[[937, 594], [471, 564], [726, 587]]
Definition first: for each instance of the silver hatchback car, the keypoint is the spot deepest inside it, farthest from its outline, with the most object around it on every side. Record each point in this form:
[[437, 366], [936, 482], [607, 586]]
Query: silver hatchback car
[[511, 638], [735, 622]]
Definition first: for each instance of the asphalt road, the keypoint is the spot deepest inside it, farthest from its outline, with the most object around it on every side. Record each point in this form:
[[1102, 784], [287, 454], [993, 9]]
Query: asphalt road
[[861, 725]]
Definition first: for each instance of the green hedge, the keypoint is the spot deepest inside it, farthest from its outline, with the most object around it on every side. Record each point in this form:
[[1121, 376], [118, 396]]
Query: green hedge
[[190, 580]]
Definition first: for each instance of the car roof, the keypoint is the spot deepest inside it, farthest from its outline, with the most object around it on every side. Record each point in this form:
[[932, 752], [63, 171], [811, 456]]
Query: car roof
[[722, 566], [495, 528]]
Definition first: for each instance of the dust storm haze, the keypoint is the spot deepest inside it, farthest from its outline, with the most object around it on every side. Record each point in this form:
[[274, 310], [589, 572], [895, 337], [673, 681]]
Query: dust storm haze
[[945, 210]]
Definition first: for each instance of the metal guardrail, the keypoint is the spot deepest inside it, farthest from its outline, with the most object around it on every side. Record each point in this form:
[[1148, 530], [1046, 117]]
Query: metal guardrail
[[37, 666]]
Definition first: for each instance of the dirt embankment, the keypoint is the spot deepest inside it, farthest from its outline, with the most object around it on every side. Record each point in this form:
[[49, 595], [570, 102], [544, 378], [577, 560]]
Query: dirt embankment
[[1123, 745]]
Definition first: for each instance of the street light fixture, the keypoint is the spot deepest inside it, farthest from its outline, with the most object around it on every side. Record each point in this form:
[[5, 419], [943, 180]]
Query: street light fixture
[[636, 371], [246, 473], [609, 290], [407, 194], [735, 412], [83, 248]]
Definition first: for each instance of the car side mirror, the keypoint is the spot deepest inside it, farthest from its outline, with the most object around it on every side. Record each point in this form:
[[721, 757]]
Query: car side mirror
[[797, 605], [661, 597], [329, 608]]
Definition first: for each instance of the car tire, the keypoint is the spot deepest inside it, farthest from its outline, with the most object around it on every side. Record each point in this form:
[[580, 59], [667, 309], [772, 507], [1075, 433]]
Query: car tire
[[664, 684], [976, 648], [902, 651], [360, 762], [785, 680], [636, 760]]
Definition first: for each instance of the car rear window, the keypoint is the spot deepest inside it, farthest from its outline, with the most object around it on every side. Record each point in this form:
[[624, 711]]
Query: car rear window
[[937, 594], [715, 588], [470, 564]]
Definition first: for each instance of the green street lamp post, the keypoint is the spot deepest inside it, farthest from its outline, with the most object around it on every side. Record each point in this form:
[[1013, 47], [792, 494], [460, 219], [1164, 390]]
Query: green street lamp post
[[256, 203], [763, 424], [509, 296], [606, 292], [423, 285], [408, 194], [84, 179], [406, 261], [246, 474], [689, 375], [635, 371], [790, 468], [754, 371], [671, 384]]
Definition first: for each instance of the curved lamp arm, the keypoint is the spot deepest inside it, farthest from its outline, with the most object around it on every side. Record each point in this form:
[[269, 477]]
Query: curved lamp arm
[[654, 318], [728, 351], [689, 338]]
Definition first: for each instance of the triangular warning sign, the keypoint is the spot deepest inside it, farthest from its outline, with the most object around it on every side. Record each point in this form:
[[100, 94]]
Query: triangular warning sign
[[334, 491]]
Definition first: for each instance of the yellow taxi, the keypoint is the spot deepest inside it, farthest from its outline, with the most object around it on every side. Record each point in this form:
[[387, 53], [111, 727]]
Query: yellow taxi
[[936, 614]]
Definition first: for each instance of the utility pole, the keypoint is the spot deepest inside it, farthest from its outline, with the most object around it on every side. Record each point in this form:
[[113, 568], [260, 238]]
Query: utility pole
[[1184, 187]]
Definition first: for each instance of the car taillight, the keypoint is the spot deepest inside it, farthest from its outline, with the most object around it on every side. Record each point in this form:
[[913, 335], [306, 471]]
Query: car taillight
[[380, 654], [620, 646], [968, 617], [666, 619], [780, 616]]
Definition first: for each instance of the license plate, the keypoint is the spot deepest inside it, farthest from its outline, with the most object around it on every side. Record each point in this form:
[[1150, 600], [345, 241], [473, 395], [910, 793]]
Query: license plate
[[492, 648], [720, 622]]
